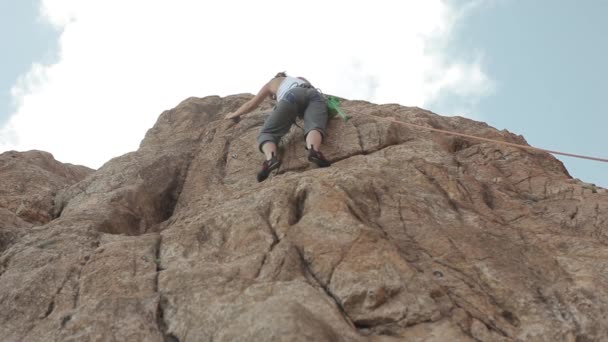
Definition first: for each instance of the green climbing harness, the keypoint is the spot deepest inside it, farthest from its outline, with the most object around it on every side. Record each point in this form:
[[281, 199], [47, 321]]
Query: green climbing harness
[[333, 108]]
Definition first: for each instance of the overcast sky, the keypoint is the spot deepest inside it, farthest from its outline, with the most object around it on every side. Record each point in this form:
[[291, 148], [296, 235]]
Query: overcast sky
[[84, 80]]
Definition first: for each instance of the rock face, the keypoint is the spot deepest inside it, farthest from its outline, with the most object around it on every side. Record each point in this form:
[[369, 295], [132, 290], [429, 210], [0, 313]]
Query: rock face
[[408, 236], [30, 181]]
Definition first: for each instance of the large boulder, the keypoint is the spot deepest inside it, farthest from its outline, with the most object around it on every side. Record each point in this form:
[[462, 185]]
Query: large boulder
[[410, 235], [30, 181]]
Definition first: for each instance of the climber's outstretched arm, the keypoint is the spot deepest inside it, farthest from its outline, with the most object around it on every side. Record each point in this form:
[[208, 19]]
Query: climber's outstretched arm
[[251, 104]]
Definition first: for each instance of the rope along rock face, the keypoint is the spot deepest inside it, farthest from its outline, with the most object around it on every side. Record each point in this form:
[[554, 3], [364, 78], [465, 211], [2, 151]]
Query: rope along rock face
[[525, 147]]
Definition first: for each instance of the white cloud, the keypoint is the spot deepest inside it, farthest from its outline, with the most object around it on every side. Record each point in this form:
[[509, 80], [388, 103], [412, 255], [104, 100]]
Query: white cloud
[[123, 62]]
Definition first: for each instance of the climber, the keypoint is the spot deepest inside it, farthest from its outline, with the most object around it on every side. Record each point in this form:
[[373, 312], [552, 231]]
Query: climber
[[295, 97]]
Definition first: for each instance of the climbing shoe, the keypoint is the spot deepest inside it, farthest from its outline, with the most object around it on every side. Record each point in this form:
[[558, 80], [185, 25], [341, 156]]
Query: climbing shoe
[[317, 157], [267, 167]]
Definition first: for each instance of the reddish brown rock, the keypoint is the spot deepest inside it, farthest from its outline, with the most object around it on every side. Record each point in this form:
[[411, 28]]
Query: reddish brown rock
[[30, 181], [408, 236]]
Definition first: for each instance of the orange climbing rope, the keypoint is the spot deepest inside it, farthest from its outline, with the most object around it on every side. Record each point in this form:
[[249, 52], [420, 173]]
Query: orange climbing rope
[[490, 140]]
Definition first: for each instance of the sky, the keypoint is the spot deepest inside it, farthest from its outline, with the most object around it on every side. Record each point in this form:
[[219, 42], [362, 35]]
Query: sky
[[86, 79]]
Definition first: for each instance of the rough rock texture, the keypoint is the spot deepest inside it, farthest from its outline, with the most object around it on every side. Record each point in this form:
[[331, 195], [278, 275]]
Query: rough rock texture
[[408, 236], [29, 182]]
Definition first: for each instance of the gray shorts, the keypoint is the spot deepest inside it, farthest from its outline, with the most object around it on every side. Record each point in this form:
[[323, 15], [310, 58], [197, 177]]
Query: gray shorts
[[297, 102]]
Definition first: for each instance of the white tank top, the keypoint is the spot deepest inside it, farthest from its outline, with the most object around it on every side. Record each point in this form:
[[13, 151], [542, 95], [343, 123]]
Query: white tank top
[[288, 83]]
